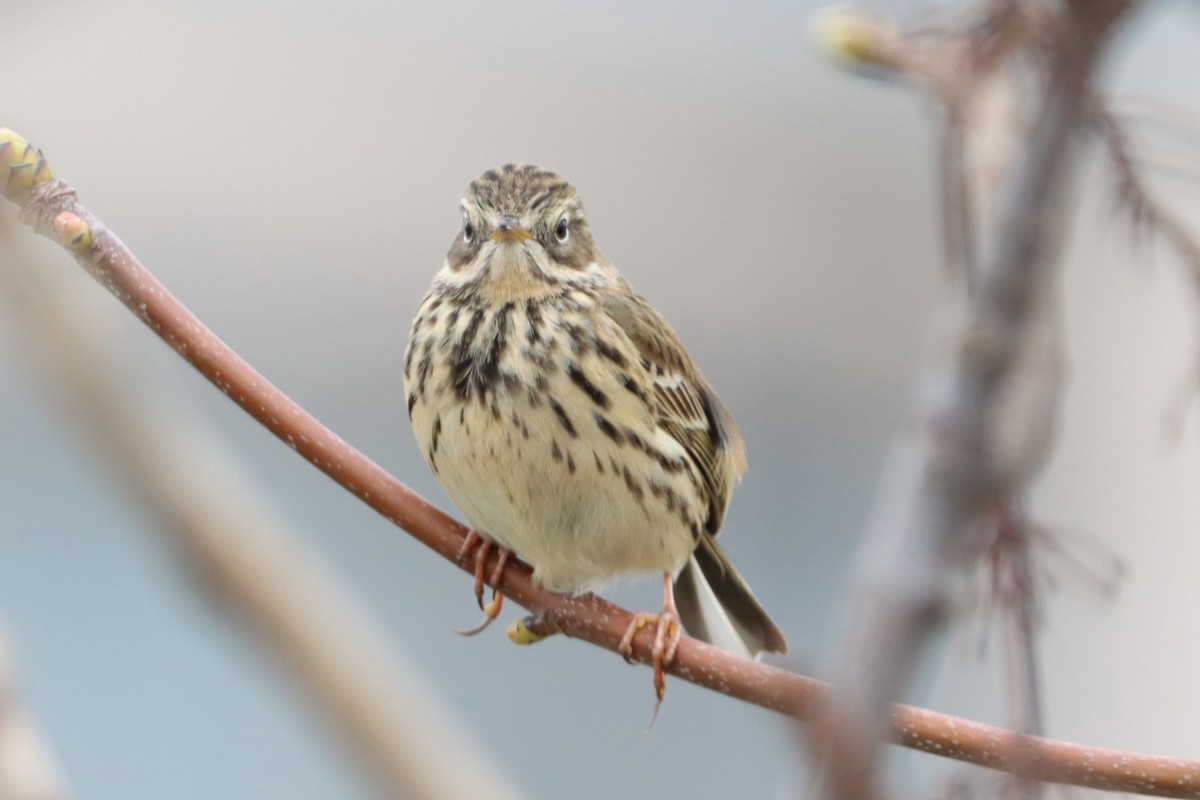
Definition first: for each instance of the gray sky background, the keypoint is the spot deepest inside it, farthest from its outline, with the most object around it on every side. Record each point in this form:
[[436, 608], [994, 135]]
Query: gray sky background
[[292, 171]]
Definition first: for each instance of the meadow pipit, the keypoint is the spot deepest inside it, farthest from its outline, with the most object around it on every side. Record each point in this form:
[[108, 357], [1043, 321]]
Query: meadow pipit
[[563, 417]]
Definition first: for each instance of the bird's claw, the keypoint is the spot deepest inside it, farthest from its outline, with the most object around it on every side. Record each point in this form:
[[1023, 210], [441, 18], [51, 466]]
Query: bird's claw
[[667, 633], [482, 547]]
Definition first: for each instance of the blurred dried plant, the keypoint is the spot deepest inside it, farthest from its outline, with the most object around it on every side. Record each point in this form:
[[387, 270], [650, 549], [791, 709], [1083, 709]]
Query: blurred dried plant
[[249, 564], [27, 771], [1014, 84]]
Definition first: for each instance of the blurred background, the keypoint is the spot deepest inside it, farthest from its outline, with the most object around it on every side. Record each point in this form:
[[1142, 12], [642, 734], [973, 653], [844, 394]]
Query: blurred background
[[291, 171]]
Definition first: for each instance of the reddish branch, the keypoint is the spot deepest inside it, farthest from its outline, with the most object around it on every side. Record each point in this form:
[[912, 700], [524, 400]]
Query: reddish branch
[[52, 209]]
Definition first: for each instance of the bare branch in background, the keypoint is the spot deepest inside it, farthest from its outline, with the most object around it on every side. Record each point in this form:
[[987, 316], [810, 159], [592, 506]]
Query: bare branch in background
[[963, 478], [26, 770], [385, 712]]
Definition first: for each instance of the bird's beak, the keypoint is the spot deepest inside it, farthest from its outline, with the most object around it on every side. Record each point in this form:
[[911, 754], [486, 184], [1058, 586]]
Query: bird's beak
[[509, 231]]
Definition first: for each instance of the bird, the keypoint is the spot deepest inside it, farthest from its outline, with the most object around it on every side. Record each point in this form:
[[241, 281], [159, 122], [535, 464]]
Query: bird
[[564, 419]]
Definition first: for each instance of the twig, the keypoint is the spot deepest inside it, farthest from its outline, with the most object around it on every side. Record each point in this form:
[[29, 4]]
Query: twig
[[586, 617], [1016, 599], [248, 560], [1147, 216], [1146, 213]]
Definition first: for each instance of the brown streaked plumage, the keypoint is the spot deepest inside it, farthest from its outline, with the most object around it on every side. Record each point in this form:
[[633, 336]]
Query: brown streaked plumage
[[564, 418]]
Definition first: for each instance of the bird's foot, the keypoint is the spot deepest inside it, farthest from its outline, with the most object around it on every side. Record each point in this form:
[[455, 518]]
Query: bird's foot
[[667, 632], [482, 547]]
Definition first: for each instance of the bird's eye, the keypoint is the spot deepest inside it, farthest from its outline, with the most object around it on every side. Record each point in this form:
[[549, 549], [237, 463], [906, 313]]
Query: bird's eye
[[562, 231], [468, 230]]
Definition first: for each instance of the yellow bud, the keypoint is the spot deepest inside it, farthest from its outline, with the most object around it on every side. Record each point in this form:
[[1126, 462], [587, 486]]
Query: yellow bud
[[21, 164], [854, 37]]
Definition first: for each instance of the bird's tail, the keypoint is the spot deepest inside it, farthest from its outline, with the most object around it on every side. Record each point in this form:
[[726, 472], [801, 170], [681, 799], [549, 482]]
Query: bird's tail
[[716, 605]]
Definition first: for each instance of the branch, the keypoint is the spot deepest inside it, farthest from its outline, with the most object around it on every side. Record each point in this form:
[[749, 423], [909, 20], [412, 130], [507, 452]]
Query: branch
[[51, 207]]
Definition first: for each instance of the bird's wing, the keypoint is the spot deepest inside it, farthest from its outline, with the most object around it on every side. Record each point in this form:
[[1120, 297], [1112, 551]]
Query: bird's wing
[[687, 407]]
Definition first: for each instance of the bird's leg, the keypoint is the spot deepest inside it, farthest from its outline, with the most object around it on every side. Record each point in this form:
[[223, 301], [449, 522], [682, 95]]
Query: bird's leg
[[482, 546], [667, 631]]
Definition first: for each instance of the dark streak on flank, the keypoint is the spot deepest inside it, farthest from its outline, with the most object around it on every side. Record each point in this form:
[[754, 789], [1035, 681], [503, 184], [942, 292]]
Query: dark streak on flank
[[411, 350], [555, 452], [632, 484], [423, 369], [579, 337], [433, 443], [609, 430], [579, 379], [570, 464], [611, 353], [632, 387], [519, 423], [563, 419], [665, 493], [451, 321], [672, 498]]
